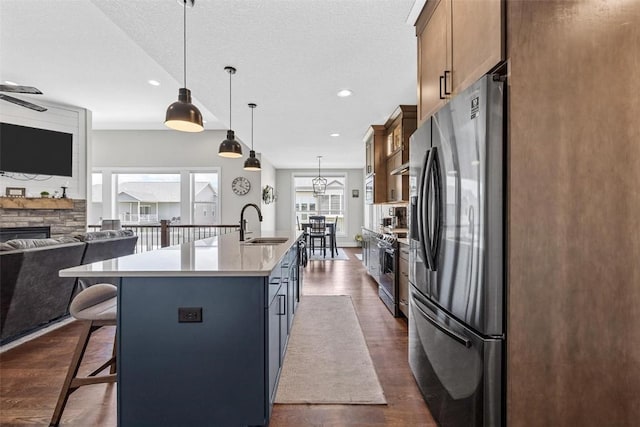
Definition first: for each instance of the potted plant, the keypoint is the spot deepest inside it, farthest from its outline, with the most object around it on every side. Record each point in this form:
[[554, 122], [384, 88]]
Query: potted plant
[[358, 238], [44, 194]]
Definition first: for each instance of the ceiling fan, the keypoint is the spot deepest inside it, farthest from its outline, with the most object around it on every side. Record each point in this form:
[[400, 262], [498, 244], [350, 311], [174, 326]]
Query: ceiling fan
[[21, 89]]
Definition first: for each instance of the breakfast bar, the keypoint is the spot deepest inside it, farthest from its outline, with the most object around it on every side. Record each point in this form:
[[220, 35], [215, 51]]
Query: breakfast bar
[[202, 328]]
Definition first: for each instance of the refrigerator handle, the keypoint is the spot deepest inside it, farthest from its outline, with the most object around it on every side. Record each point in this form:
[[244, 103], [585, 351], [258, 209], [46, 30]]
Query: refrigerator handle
[[439, 205], [424, 174], [420, 210], [426, 227], [462, 340]]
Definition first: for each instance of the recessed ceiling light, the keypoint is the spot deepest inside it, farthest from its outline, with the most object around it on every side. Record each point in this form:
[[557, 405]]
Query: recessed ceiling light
[[204, 121], [153, 82], [344, 93], [335, 134], [10, 83]]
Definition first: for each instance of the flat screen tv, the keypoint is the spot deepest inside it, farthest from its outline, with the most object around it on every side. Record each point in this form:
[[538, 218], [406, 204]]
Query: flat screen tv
[[35, 151]]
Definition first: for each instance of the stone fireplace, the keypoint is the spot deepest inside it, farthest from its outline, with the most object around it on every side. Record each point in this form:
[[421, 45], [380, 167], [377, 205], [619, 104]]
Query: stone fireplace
[[62, 221]]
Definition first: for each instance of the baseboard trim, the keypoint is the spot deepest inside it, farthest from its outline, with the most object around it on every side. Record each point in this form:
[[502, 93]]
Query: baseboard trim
[[36, 334]]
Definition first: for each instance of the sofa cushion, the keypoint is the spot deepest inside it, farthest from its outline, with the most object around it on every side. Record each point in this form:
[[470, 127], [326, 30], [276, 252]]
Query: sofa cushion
[[39, 243], [105, 234]]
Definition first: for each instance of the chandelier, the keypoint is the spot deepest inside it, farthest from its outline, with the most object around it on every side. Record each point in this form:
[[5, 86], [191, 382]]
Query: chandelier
[[319, 183]]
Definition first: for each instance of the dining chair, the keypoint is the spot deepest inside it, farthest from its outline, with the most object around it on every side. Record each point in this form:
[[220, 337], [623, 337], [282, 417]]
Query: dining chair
[[333, 237], [318, 231], [305, 233]]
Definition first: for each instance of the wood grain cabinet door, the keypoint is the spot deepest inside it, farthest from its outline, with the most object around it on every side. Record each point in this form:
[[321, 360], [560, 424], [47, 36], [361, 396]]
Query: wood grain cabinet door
[[394, 182], [369, 157], [433, 57], [476, 40]]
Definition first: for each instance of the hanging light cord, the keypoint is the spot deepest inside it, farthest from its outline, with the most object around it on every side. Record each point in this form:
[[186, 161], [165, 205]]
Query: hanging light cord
[[252, 128], [184, 26], [319, 157], [230, 126]]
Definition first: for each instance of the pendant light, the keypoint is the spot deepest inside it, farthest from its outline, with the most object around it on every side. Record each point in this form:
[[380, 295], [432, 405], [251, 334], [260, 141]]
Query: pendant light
[[319, 183], [230, 147], [183, 115], [252, 163]]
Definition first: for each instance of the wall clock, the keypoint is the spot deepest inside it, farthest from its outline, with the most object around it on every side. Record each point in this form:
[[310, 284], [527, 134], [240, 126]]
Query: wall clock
[[241, 186]]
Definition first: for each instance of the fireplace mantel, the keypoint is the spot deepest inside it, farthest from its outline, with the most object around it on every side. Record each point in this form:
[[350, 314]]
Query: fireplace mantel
[[35, 203]]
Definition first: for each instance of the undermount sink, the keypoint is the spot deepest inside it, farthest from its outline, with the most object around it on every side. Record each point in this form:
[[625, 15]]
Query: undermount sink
[[265, 241]]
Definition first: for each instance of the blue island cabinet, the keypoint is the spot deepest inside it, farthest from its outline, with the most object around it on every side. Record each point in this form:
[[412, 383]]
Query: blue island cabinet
[[219, 370]]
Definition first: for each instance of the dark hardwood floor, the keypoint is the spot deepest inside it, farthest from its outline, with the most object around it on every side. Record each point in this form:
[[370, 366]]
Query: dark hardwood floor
[[31, 374]]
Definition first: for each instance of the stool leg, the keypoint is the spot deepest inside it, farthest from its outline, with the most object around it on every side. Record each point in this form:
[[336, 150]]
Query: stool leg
[[72, 372], [113, 354]]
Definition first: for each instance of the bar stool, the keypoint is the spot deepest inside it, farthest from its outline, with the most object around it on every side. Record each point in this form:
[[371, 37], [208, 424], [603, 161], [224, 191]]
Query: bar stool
[[96, 307]]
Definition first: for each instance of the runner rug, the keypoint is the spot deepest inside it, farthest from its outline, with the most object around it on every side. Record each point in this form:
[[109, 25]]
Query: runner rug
[[340, 254], [327, 360]]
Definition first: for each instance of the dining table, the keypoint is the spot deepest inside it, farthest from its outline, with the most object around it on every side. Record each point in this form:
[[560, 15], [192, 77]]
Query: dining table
[[331, 226]]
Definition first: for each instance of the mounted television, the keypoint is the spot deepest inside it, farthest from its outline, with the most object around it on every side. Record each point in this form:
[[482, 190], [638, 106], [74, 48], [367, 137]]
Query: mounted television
[[35, 151]]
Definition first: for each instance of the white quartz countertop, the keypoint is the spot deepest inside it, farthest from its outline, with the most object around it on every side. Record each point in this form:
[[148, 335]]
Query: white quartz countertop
[[216, 256]]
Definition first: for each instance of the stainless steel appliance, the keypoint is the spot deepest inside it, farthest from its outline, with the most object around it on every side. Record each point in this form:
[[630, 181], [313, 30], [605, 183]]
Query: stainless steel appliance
[[373, 266], [387, 281], [456, 265]]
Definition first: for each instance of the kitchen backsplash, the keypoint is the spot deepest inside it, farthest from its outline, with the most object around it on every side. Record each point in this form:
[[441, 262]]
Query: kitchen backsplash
[[375, 215]]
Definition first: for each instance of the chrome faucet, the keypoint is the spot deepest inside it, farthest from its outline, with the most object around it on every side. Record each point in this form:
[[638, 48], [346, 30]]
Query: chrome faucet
[[243, 222]]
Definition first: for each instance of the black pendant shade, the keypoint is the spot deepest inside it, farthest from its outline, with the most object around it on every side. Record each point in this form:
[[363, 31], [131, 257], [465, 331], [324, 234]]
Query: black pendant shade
[[252, 163], [230, 148], [183, 115]]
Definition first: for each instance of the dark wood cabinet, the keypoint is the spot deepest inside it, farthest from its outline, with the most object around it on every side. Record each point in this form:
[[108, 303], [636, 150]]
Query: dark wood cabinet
[[394, 182], [376, 167], [398, 129]]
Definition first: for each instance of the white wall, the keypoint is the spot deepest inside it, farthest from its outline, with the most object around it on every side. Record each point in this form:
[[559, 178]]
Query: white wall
[[269, 211], [173, 149], [285, 218], [61, 118]]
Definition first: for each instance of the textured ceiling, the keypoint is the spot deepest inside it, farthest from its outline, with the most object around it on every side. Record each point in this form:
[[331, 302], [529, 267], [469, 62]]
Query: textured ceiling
[[292, 58]]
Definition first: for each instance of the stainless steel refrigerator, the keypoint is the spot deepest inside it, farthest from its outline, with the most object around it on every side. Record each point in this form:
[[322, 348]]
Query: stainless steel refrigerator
[[456, 258]]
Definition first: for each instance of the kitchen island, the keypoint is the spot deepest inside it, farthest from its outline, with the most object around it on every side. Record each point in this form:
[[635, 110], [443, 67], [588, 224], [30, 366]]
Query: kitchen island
[[202, 329]]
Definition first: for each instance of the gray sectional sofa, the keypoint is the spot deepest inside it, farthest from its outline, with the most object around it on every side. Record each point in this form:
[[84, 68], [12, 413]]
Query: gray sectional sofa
[[32, 294]]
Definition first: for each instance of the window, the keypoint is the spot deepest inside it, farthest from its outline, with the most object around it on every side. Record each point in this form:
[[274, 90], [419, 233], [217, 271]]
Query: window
[[145, 198], [205, 198], [331, 204], [148, 198], [96, 199]]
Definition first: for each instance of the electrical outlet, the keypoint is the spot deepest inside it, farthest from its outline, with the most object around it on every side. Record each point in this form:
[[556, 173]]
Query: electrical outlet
[[189, 314]]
